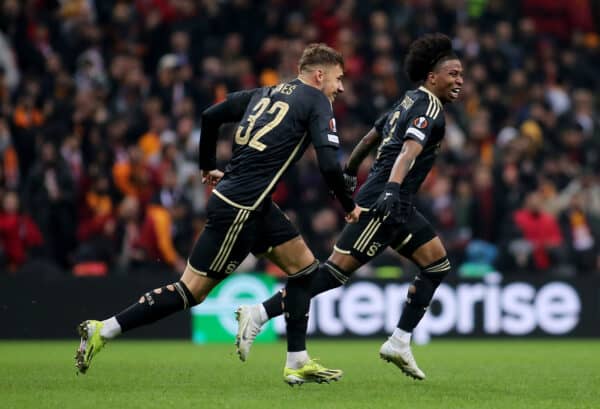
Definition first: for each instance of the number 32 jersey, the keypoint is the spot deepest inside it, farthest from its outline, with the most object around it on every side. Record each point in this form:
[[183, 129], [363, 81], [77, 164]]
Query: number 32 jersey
[[278, 125]]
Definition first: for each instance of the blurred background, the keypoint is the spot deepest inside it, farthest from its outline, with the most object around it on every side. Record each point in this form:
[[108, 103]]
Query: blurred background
[[99, 129]]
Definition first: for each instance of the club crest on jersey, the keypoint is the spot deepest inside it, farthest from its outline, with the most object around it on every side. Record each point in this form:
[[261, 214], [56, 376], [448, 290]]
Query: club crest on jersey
[[332, 126], [421, 122]]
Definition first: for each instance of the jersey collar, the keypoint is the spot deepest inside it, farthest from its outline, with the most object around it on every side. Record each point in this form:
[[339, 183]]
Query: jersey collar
[[422, 88], [304, 82], [310, 85]]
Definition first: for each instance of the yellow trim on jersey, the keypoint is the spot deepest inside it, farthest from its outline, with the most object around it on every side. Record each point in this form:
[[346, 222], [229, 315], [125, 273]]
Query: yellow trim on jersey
[[358, 241], [370, 236], [230, 202], [435, 105], [196, 271], [434, 108], [233, 240], [230, 238], [422, 88], [406, 240], [279, 173], [264, 254], [339, 250], [367, 235], [269, 187]]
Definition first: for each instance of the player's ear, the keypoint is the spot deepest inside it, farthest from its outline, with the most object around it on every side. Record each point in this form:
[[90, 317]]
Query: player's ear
[[431, 77], [319, 75]]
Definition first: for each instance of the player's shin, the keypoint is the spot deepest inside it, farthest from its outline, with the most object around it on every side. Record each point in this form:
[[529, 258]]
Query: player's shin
[[155, 305], [296, 303], [328, 276], [421, 292], [397, 348]]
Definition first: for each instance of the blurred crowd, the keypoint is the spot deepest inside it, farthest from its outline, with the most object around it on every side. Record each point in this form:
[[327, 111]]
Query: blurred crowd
[[99, 126]]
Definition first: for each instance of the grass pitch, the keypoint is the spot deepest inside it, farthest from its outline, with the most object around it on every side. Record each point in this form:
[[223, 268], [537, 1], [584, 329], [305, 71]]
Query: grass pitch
[[461, 374]]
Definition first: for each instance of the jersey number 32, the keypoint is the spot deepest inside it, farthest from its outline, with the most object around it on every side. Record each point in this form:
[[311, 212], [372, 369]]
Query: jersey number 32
[[244, 132]]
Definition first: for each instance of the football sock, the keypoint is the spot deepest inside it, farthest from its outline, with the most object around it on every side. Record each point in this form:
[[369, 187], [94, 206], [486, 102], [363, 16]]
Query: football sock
[[296, 303], [411, 316], [296, 360], [421, 292], [110, 329], [328, 276], [154, 305], [273, 306]]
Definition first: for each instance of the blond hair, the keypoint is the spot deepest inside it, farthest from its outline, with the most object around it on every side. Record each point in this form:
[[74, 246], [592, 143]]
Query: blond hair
[[319, 54]]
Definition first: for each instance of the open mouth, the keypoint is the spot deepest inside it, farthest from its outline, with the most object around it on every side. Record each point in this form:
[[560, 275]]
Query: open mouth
[[455, 92]]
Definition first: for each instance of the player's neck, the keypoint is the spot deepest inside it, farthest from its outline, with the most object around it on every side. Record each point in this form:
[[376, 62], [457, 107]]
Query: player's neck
[[426, 89], [308, 81]]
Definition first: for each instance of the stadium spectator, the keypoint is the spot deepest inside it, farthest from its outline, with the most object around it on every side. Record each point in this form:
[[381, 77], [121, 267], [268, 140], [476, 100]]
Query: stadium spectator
[[97, 225], [98, 79], [165, 225], [18, 233], [580, 230], [542, 232], [49, 194], [128, 230]]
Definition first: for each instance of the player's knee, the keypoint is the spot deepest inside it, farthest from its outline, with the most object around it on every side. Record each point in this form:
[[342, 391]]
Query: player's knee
[[296, 296], [344, 262], [437, 270], [305, 271], [333, 274]]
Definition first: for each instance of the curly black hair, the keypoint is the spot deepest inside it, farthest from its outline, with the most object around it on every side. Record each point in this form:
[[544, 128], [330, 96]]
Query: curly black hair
[[425, 53]]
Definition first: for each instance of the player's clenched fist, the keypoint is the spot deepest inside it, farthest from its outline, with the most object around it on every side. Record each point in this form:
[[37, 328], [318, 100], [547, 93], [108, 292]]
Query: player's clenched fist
[[394, 202], [211, 177]]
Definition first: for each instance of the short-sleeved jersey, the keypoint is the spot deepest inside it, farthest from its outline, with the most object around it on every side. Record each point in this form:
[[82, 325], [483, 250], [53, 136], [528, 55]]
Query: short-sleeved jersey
[[278, 125], [418, 116]]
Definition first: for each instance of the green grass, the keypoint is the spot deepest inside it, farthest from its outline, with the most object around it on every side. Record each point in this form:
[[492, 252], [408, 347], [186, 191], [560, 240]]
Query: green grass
[[461, 374]]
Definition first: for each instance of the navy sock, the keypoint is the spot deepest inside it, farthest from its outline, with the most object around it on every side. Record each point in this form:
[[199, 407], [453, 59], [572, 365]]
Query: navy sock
[[322, 280], [421, 292], [296, 300], [155, 305], [296, 303]]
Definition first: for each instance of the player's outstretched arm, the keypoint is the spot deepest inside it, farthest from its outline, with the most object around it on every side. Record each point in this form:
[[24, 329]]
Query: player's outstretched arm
[[361, 150], [405, 160]]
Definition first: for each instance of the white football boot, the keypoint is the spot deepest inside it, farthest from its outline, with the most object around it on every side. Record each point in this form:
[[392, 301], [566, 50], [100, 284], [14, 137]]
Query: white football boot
[[248, 329], [399, 354]]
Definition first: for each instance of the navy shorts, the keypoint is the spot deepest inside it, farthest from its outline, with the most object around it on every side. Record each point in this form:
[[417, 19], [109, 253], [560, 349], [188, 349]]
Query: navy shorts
[[369, 237], [231, 234]]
